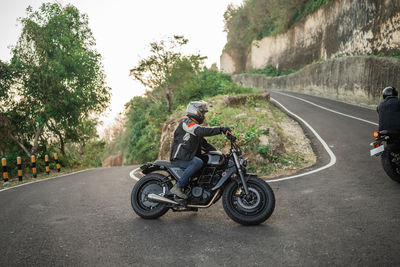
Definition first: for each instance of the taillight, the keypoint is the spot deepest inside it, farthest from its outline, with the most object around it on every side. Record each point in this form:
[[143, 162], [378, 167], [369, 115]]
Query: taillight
[[376, 145], [376, 134]]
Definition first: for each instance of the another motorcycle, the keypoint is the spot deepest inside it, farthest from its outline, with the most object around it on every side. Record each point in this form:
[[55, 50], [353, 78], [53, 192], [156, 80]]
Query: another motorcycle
[[387, 145], [246, 199]]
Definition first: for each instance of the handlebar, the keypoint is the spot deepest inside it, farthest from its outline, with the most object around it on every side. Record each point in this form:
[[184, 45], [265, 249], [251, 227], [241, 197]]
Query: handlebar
[[231, 137]]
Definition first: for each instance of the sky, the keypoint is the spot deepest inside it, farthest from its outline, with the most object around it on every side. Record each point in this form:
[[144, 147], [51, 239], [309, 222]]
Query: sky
[[123, 30]]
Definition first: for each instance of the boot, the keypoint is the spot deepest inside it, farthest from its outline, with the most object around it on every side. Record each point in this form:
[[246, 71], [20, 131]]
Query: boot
[[176, 190]]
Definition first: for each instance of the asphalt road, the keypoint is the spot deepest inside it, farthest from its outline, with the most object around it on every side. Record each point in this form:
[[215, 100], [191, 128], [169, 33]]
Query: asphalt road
[[344, 215]]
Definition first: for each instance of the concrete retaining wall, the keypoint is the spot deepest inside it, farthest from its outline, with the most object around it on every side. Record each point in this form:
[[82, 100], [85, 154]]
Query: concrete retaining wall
[[358, 80]]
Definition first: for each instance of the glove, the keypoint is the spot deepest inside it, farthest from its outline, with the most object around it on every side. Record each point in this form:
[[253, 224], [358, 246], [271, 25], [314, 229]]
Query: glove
[[225, 129]]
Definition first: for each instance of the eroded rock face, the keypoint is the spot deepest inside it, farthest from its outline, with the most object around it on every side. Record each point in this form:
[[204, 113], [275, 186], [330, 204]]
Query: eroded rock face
[[167, 135], [340, 28], [114, 160], [227, 63]]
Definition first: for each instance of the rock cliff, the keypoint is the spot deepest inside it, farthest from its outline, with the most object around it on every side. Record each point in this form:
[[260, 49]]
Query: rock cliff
[[340, 28]]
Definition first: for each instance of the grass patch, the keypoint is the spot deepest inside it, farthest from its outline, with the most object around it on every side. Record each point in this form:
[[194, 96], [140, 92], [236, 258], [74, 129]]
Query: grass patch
[[249, 122]]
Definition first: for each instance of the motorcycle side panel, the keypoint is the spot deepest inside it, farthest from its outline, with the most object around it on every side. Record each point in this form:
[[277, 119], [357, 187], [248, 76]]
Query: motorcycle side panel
[[225, 176]]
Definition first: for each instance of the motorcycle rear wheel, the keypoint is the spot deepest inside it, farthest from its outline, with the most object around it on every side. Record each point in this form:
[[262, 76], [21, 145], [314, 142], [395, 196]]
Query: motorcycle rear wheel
[[151, 183], [254, 210], [391, 168]]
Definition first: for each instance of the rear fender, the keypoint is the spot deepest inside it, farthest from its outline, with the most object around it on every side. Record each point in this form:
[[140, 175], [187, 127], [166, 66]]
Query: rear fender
[[150, 167]]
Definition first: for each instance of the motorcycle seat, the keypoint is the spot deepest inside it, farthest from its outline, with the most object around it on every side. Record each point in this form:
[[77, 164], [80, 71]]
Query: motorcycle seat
[[164, 163], [176, 170]]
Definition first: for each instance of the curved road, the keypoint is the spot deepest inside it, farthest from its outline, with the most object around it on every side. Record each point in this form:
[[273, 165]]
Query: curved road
[[347, 214]]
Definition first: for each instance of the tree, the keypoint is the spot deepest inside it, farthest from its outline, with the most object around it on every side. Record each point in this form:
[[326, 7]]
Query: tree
[[5, 81], [58, 77], [164, 70]]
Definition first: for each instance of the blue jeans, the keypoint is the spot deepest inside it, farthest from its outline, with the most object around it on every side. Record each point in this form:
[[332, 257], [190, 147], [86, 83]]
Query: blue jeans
[[192, 166]]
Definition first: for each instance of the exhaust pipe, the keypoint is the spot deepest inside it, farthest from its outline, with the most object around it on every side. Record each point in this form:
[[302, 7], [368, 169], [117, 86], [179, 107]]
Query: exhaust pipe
[[157, 198]]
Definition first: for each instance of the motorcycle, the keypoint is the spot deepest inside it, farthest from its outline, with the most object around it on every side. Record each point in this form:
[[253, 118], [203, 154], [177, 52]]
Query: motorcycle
[[246, 199], [387, 146]]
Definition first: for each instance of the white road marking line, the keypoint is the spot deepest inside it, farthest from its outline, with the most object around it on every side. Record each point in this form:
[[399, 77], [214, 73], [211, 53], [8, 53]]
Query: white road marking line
[[132, 175], [328, 109], [42, 180], [331, 155]]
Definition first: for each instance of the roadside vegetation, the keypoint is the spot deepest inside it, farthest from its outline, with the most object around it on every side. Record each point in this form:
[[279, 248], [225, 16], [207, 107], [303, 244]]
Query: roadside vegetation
[[271, 71], [271, 148], [173, 80], [52, 91]]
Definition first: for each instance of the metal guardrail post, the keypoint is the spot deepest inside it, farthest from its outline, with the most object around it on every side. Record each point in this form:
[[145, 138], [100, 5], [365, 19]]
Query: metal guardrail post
[[46, 160], [33, 161], [5, 173], [19, 165], [57, 163]]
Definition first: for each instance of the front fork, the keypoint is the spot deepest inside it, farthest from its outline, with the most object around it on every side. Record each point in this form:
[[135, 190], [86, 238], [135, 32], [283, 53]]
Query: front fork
[[246, 189]]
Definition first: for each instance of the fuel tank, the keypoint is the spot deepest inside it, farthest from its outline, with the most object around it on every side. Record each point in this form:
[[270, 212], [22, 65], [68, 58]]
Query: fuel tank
[[215, 158]]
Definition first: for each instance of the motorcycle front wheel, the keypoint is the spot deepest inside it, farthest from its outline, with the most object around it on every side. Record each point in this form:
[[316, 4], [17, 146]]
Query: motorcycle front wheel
[[151, 183], [253, 209]]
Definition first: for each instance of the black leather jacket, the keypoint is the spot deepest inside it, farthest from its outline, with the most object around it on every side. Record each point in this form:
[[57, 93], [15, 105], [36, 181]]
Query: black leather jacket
[[188, 140], [389, 114]]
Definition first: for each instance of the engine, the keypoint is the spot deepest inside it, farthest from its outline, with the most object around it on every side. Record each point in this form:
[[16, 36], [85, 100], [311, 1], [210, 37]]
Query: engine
[[200, 187], [199, 192]]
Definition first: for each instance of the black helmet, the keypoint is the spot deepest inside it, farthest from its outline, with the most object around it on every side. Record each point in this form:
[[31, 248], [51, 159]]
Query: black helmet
[[197, 110], [389, 91]]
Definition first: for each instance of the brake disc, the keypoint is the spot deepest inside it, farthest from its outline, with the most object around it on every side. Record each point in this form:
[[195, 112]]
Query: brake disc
[[252, 204]]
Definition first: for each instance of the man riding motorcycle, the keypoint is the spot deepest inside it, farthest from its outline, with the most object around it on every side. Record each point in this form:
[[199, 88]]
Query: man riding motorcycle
[[189, 141], [389, 111]]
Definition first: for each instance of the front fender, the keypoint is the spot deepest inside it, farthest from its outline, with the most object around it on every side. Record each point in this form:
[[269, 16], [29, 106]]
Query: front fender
[[228, 174]]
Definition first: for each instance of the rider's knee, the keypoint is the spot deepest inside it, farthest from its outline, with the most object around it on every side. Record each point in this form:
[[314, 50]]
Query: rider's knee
[[198, 162]]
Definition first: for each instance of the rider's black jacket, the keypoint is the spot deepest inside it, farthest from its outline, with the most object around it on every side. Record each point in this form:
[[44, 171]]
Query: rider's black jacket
[[188, 140], [389, 114]]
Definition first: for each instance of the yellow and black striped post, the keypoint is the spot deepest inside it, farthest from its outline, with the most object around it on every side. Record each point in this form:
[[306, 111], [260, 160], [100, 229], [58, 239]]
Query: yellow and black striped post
[[57, 163], [19, 166], [5, 173], [46, 161], [33, 161]]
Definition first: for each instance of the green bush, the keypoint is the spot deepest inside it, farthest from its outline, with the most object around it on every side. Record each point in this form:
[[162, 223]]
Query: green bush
[[271, 71], [94, 151], [146, 117]]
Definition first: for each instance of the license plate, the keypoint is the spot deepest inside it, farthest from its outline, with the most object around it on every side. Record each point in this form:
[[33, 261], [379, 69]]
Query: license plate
[[377, 150]]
